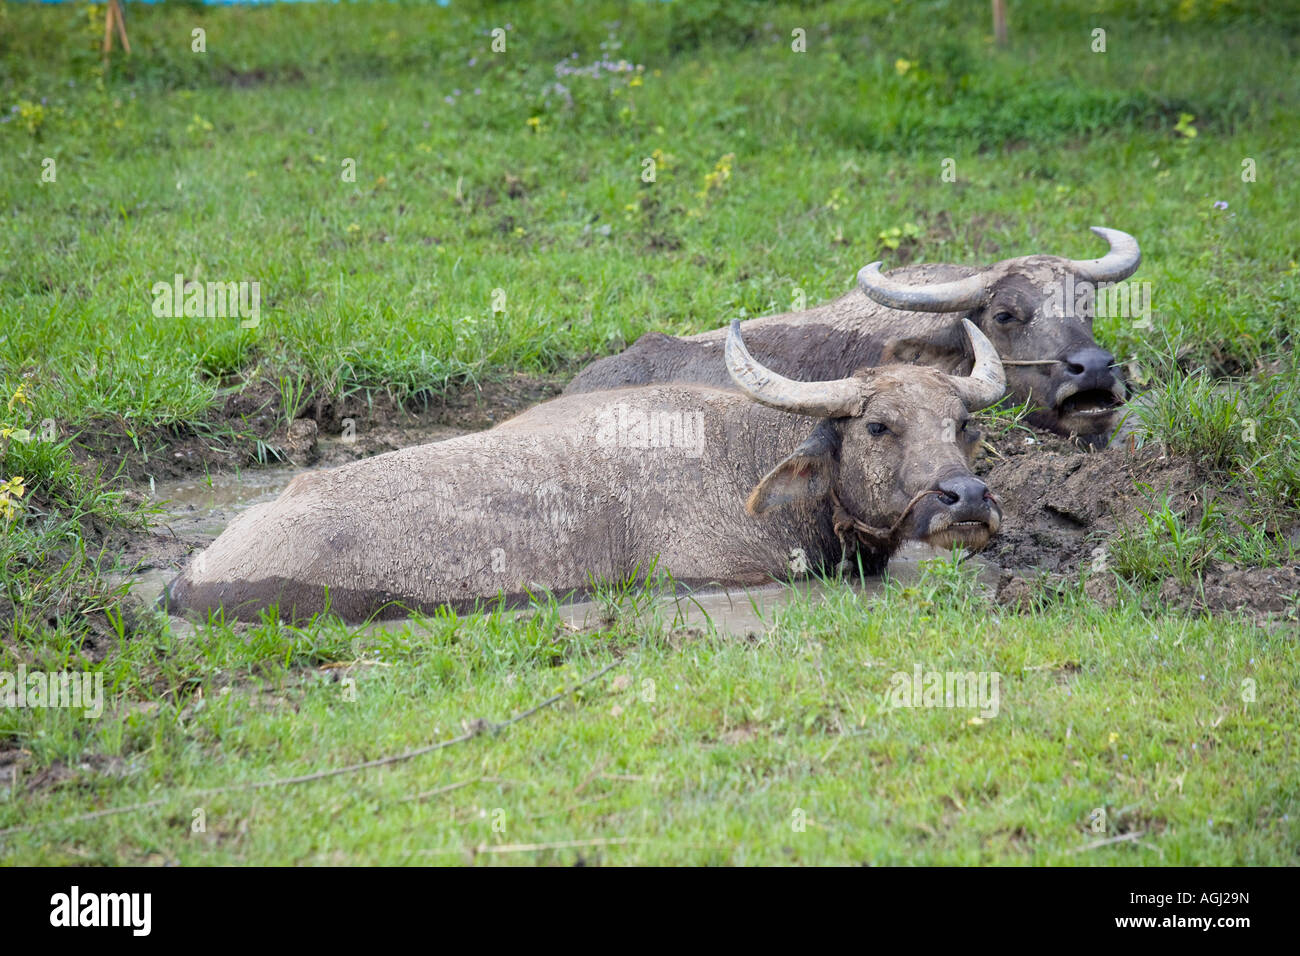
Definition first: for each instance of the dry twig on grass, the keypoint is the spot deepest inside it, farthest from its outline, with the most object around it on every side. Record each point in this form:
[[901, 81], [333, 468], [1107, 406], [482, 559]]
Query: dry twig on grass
[[473, 729]]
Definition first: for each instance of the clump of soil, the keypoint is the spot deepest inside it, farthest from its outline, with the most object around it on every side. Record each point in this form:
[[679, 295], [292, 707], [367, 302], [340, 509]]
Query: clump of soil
[[1058, 499], [1061, 502]]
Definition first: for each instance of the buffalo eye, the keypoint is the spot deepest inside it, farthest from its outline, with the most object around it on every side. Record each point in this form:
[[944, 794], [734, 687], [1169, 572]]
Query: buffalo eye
[[877, 428], [1004, 318]]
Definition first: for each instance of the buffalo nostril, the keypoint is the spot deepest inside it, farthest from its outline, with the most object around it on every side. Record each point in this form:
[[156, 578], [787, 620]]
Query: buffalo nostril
[[1089, 362], [962, 491]]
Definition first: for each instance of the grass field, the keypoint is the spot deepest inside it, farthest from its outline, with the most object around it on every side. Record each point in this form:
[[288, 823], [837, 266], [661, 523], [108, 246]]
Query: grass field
[[498, 224]]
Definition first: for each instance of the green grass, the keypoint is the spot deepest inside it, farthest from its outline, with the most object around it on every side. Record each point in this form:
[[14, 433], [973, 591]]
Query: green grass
[[475, 243], [388, 281], [54, 518], [1165, 544], [1248, 427], [698, 749]]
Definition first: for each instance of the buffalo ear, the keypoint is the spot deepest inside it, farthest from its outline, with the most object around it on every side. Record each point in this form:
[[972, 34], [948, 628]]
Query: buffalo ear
[[807, 474]]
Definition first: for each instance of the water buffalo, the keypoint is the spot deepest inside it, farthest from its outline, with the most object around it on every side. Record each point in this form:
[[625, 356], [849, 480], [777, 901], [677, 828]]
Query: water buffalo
[[716, 486], [1031, 308]]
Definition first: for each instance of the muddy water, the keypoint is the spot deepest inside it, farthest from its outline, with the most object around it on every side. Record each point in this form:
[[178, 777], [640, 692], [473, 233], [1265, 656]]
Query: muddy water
[[200, 508], [197, 510], [742, 611]]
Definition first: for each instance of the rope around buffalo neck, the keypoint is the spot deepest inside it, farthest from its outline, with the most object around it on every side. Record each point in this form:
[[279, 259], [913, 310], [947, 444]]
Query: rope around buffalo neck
[[853, 532]]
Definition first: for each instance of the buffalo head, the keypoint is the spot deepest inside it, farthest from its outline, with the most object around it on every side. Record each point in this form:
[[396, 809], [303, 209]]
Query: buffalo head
[[892, 451], [1037, 311]]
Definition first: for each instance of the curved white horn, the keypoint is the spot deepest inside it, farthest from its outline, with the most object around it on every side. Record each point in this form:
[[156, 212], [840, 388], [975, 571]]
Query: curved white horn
[[1119, 263], [834, 399], [952, 296], [987, 382]]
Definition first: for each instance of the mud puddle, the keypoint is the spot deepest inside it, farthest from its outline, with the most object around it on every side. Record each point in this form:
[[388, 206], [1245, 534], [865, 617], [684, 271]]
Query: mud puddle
[[200, 508], [1060, 505], [196, 510], [740, 612]]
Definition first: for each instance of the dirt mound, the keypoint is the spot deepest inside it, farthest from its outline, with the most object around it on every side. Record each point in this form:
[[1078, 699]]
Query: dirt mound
[[1061, 502], [1058, 500]]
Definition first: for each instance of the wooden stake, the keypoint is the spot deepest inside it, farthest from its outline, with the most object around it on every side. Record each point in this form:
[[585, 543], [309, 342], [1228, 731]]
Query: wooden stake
[[1000, 21], [121, 25], [114, 16], [108, 33]]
